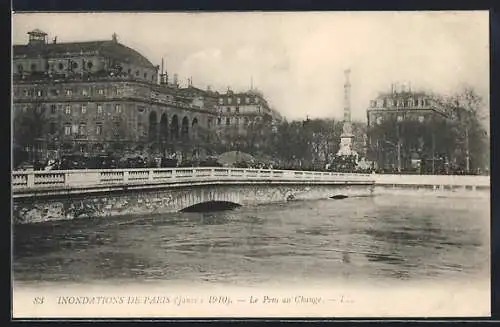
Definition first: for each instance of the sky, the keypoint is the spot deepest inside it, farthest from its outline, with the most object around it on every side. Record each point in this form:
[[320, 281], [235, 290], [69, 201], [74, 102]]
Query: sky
[[296, 59]]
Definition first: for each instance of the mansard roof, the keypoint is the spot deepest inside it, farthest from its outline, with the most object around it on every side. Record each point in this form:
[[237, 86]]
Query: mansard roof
[[110, 49]]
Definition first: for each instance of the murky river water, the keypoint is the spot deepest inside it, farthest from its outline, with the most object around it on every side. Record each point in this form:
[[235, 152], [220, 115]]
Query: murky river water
[[365, 238]]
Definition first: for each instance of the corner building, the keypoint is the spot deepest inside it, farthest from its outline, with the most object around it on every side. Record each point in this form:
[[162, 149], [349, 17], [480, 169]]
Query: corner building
[[100, 96], [239, 112], [400, 133]]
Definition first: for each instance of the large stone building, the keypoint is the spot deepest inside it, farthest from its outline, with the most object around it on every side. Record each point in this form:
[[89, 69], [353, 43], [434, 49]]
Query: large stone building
[[399, 122], [102, 96], [240, 112]]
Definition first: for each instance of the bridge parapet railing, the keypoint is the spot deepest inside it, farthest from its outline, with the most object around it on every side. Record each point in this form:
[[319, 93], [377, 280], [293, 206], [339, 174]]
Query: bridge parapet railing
[[96, 177], [162, 174], [450, 180], [203, 172]]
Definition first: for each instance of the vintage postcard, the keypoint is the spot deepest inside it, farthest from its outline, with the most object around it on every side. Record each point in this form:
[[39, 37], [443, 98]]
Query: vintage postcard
[[251, 164]]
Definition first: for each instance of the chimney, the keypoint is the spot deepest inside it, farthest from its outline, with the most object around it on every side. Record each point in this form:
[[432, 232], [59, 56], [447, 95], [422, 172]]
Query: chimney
[[161, 72]]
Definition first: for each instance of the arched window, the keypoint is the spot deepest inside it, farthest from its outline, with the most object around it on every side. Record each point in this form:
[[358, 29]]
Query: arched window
[[194, 128], [153, 121], [163, 127], [174, 128], [185, 128]]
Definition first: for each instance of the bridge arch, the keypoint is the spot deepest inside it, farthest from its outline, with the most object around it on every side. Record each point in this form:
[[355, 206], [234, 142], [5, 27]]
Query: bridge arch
[[211, 206]]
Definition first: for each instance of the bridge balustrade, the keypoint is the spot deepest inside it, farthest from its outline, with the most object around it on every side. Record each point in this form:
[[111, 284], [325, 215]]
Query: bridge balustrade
[[449, 180], [95, 177]]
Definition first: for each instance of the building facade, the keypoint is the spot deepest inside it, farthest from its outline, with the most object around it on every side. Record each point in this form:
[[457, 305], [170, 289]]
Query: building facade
[[101, 96], [240, 112], [402, 135]]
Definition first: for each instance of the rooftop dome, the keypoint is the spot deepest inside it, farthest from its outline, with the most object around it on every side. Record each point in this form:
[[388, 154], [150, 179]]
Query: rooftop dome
[[111, 49]]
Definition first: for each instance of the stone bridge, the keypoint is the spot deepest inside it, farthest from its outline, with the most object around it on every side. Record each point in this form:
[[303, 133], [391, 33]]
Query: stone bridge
[[54, 195]]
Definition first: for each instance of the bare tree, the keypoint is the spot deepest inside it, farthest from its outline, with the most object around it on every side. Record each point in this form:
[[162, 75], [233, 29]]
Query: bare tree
[[29, 126]]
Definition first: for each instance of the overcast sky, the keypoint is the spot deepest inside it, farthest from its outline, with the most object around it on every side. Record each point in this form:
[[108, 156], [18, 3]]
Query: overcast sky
[[296, 59]]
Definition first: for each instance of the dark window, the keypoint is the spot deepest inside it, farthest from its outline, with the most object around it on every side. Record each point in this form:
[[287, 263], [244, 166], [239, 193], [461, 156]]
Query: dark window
[[237, 109], [98, 129], [74, 65], [228, 121], [129, 71], [60, 66], [52, 128], [33, 66], [83, 129], [52, 108], [145, 75], [116, 129], [90, 65], [20, 68], [219, 121], [137, 73]]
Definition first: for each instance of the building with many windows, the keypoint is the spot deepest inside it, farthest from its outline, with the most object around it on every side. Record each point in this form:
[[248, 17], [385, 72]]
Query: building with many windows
[[99, 96], [401, 130], [102, 96], [242, 111]]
